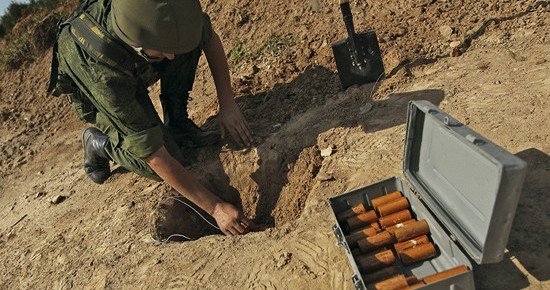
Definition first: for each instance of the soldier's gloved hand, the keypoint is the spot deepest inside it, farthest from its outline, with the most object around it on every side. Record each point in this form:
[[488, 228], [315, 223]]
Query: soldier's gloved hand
[[231, 120], [230, 220]]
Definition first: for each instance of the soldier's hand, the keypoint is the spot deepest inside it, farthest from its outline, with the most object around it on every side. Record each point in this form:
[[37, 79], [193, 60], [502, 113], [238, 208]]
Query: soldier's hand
[[232, 121], [230, 220]]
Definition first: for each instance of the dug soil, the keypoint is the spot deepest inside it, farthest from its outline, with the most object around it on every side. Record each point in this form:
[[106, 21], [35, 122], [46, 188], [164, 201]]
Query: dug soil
[[485, 62]]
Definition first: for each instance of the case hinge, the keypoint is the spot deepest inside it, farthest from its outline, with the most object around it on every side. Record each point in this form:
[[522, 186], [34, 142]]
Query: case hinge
[[339, 236], [416, 193], [453, 238]]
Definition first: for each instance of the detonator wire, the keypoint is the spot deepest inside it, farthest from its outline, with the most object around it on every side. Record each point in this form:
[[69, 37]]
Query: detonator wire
[[375, 84], [176, 198]]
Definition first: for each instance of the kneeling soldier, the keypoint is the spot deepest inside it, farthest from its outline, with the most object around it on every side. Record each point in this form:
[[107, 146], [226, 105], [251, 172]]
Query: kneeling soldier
[[107, 55]]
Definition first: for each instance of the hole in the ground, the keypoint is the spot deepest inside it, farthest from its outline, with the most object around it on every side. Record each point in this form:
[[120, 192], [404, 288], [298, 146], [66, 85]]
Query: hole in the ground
[[270, 188], [271, 182], [173, 219]]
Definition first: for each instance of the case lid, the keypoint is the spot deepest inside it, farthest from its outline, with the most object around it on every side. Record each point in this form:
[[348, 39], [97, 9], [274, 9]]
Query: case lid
[[471, 185]]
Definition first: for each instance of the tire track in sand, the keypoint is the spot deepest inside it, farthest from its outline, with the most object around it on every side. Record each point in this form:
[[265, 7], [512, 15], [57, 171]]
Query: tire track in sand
[[312, 254]]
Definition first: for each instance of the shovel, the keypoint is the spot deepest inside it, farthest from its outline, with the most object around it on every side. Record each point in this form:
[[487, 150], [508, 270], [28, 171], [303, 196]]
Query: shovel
[[358, 58]]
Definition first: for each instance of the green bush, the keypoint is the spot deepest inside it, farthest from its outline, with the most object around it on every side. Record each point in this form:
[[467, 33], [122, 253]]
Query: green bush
[[276, 43], [40, 5], [16, 53], [238, 52], [16, 11], [31, 38]]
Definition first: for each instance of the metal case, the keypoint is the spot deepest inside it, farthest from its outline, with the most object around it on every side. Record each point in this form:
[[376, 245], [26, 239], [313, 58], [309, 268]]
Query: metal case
[[466, 187]]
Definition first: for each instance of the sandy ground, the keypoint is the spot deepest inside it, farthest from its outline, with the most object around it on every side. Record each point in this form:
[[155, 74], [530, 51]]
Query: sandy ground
[[98, 237]]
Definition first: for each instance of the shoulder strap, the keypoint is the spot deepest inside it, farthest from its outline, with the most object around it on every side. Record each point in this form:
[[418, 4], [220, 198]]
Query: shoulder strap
[[54, 74], [97, 42]]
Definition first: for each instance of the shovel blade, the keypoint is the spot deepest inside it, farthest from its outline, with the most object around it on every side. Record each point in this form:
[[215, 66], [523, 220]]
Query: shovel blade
[[349, 71]]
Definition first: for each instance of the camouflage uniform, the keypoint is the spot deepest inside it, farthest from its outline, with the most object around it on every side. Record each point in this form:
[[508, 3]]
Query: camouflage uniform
[[117, 102]]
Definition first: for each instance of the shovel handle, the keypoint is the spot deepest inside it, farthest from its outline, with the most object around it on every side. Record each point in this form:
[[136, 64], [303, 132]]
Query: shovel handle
[[357, 57], [348, 17], [348, 20]]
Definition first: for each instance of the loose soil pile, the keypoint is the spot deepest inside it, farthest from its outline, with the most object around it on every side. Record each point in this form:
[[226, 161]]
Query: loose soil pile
[[282, 68]]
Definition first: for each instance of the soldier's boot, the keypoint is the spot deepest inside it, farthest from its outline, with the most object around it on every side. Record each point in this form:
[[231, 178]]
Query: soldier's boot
[[96, 161], [184, 130]]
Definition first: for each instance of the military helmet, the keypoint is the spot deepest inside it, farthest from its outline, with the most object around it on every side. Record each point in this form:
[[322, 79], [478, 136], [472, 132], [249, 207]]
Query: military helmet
[[171, 26]]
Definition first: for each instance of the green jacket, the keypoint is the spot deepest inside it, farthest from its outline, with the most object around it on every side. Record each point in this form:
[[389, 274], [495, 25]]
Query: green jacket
[[119, 96]]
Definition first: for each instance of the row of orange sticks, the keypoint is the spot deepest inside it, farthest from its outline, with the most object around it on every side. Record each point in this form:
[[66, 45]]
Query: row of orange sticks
[[389, 222], [402, 282]]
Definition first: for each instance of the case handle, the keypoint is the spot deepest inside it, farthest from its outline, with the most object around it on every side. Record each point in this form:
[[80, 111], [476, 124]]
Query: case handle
[[475, 140], [339, 236]]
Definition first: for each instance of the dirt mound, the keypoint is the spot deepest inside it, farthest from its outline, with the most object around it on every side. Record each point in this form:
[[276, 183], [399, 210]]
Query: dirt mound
[[288, 90]]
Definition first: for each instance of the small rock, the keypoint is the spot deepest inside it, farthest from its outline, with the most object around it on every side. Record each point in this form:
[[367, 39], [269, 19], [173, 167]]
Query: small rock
[[315, 5], [456, 52], [57, 199], [277, 125], [40, 194], [308, 271], [327, 151], [10, 235], [250, 72], [40, 172], [283, 259], [325, 176], [482, 66], [446, 31], [5, 115], [308, 53], [242, 19], [365, 109], [455, 44], [540, 61]]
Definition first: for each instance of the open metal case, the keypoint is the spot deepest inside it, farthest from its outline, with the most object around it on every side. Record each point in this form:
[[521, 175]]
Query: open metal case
[[466, 187]]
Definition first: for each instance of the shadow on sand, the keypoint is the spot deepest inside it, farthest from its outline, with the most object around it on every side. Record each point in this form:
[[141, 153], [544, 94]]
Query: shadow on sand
[[529, 239]]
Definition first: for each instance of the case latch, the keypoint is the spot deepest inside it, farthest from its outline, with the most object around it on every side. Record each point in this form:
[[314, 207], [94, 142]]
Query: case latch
[[451, 122], [339, 236], [357, 282]]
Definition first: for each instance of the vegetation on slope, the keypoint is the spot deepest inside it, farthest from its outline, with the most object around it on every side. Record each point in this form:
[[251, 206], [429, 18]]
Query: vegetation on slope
[[27, 30]]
